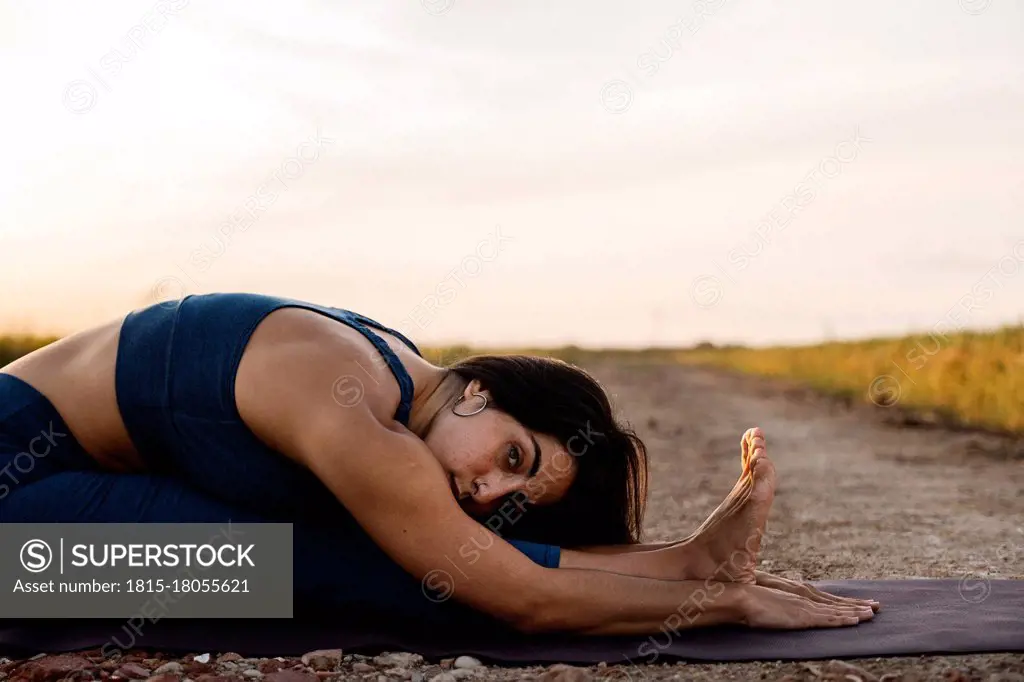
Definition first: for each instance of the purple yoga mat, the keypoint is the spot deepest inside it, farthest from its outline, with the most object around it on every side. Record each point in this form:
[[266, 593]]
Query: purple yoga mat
[[917, 617]]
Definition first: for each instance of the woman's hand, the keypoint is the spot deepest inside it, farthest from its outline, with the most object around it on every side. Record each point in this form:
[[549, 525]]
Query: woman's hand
[[808, 591], [777, 610]]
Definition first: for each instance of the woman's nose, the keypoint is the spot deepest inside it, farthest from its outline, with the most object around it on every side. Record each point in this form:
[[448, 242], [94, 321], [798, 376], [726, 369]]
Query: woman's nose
[[490, 489]]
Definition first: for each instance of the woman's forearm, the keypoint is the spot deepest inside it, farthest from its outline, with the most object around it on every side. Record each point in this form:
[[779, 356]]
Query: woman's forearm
[[600, 603]]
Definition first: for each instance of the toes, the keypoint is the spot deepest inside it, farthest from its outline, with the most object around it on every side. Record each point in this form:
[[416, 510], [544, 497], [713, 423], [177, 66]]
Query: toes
[[752, 442], [762, 466]]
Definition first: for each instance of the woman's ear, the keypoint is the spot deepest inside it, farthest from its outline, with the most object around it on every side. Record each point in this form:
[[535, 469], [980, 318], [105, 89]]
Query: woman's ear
[[472, 388]]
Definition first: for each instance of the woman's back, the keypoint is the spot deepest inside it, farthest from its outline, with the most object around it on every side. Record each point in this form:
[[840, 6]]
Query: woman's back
[[77, 375], [116, 385]]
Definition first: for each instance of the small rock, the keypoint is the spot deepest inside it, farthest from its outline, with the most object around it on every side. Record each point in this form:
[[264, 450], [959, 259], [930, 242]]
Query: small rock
[[565, 673], [399, 673], [163, 678], [172, 667], [271, 665], [446, 663], [229, 657], [361, 667], [229, 666], [132, 671], [398, 659], [291, 676], [37, 657], [848, 671], [812, 668], [417, 676], [194, 669], [322, 659], [202, 658], [467, 662], [252, 674], [442, 677], [382, 678], [50, 668], [462, 673]]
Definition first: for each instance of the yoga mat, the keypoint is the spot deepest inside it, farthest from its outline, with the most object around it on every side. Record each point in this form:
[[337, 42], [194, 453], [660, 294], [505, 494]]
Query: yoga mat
[[917, 617]]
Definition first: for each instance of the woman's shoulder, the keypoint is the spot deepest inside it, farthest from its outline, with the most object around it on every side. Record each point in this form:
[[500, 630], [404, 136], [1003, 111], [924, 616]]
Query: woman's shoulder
[[306, 358]]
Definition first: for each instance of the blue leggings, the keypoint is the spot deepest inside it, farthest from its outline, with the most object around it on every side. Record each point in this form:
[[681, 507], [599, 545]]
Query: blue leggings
[[45, 476]]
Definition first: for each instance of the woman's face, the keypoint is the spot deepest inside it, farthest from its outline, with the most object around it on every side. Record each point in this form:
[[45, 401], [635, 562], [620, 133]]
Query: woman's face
[[489, 456]]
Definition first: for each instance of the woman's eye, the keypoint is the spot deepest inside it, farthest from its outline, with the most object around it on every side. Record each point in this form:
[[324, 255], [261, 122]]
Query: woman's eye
[[515, 458]]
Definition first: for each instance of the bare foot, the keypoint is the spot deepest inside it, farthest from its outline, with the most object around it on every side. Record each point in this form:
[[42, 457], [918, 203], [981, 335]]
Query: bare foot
[[727, 545], [738, 496]]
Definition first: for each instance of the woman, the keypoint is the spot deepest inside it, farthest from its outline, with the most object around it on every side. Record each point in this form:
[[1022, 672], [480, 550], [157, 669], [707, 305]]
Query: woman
[[255, 408]]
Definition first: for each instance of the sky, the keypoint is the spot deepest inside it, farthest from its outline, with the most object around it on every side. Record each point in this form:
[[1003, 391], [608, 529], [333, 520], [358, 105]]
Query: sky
[[598, 173]]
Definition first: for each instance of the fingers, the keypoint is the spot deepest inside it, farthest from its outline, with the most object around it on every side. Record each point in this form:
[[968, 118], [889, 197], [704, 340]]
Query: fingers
[[836, 599], [809, 591], [839, 616], [789, 611]]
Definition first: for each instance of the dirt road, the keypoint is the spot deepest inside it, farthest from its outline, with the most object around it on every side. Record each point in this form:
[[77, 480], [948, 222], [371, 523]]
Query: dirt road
[[861, 495]]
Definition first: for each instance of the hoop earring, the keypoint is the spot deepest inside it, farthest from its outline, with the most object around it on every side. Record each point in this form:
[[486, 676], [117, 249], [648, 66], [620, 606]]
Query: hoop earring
[[470, 414]]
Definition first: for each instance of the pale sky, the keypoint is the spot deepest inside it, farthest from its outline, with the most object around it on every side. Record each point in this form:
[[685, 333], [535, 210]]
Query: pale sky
[[524, 172]]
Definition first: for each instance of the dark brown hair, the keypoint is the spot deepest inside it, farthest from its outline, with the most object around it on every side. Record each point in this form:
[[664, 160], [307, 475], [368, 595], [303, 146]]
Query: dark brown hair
[[605, 503]]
